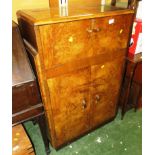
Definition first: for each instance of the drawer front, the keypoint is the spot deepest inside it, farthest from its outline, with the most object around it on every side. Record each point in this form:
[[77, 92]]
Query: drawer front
[[111, 33], [106, 81], [65, 42], [71, 41], [70, 104]]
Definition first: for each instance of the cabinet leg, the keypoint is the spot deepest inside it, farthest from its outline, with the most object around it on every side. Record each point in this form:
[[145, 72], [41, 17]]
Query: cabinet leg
[[43, 128]]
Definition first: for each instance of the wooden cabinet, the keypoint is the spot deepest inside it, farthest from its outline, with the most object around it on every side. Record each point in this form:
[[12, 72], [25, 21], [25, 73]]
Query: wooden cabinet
[[79, 60]]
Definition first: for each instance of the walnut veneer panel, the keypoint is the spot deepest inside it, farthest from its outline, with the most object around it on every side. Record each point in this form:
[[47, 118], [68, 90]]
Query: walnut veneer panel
[[71, 104], [96, 35], [106, 81], [60, 40], [79, 62]]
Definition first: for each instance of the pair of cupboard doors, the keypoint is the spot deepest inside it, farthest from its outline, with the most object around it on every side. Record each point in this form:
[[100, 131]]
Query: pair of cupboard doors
[[85, 98], [79, 64]]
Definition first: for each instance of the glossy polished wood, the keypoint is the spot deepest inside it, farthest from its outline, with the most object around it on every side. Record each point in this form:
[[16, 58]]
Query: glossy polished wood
[[79, 62], [21, 144], [78, 36], [105, 90]]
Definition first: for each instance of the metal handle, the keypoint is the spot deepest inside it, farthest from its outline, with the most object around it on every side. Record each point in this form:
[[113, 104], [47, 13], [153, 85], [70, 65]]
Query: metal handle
[[89, 30], [93, 30], [84, 104], [97, 98]]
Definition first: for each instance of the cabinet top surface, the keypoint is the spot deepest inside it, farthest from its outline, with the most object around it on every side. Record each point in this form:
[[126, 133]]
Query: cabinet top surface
[[70, 13]]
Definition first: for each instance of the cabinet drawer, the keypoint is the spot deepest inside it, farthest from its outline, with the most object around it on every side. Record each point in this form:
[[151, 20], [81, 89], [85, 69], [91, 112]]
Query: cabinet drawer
[[71, 41], [65, 42]]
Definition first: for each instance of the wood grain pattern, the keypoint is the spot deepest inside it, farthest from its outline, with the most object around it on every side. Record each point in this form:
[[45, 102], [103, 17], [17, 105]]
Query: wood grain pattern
[[80, 35], [68, 92], [68, 37], [106, 80], [79, 64]]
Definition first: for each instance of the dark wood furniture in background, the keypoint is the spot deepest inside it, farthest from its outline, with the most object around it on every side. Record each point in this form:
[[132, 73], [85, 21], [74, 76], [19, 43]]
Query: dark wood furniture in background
[[21, 145], [26, 99], [79, 60], [131, 96]]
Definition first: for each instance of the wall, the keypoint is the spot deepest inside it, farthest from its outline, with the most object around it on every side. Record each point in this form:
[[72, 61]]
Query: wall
[[31, 4], [76, 2], [27, 4]]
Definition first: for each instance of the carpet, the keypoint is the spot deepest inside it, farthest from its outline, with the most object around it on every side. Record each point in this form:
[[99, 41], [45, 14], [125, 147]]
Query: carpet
[[119, 137]]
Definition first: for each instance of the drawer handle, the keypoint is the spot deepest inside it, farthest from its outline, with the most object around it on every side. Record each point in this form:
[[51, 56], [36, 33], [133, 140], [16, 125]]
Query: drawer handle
[[84, 105], [97, 98], [96, 29], [93, 30]]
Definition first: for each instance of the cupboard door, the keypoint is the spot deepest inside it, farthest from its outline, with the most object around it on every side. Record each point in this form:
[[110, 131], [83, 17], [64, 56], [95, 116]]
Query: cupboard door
[[111, 33], [70, 103], [106, 81]]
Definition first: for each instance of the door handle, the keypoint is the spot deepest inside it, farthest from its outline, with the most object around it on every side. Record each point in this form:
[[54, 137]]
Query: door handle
[[97, 98]]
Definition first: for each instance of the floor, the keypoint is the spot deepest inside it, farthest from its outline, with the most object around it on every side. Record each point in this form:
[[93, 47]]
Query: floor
[[119, 137]]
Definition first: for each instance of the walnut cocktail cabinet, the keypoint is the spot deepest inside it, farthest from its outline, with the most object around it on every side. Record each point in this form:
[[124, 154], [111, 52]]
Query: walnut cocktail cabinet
[[79, 60]]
